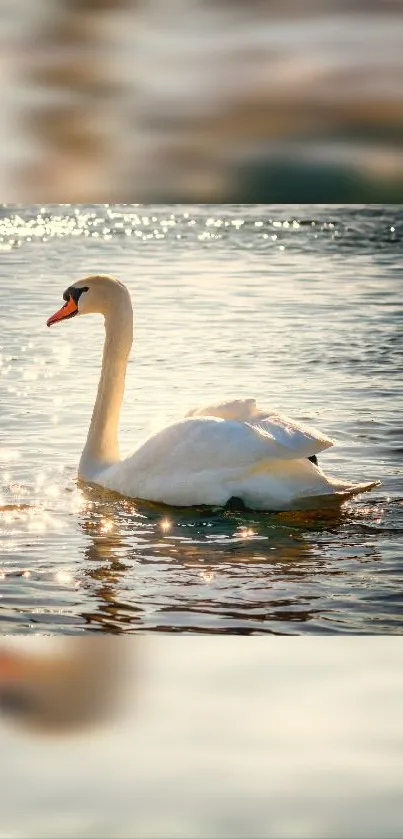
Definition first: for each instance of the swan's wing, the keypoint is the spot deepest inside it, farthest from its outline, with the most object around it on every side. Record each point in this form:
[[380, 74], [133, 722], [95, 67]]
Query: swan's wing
[[209, 444], [293, 439], [298, 440], [202, 443], [243, 410]]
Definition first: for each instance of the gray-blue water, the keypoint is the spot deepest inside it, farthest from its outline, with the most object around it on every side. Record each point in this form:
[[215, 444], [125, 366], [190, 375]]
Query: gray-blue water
[[297, 305]]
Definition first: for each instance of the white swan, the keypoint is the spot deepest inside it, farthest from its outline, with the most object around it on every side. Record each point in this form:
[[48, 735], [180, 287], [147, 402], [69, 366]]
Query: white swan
[[214, 454]]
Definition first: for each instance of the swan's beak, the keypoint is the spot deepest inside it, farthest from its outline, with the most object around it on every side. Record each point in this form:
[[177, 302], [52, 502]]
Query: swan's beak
[[69, 310]]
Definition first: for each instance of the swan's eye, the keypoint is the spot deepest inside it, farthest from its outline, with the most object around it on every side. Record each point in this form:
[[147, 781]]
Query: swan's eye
[[74, 293]]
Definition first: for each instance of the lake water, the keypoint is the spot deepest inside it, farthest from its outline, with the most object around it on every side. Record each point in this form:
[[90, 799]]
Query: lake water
[[299, 306]]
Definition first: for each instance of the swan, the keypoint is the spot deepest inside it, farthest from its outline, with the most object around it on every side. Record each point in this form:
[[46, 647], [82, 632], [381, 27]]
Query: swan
[[215, 454]]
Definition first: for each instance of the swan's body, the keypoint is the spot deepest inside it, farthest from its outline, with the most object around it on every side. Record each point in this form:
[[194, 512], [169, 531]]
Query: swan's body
[[216, 453]]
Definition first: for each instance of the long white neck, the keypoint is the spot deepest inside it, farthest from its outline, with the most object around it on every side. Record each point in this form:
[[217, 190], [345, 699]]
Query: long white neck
[[102, 446]]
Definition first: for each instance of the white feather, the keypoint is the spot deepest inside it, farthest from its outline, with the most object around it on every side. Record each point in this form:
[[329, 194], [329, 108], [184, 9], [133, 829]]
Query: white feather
[[294, 438]]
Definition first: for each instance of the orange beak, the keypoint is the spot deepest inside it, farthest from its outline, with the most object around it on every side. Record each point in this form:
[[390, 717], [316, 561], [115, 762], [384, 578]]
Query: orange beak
[[67, 311]]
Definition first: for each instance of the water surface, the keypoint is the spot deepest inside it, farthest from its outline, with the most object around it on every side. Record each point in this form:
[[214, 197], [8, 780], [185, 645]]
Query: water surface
[[299, 306]]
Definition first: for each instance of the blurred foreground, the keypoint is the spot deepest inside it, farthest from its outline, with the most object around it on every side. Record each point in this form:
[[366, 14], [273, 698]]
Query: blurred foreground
[[212, 737], [194, 100], [68, 686]]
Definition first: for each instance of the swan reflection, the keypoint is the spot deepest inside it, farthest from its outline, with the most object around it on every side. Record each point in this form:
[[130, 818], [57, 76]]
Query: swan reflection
[[141, 576]]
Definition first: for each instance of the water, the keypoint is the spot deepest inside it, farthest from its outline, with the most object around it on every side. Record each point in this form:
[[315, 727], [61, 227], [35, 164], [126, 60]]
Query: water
[[297, 305]]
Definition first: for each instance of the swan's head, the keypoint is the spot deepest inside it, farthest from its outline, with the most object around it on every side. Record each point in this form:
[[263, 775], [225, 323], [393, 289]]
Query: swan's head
[[92, 295]]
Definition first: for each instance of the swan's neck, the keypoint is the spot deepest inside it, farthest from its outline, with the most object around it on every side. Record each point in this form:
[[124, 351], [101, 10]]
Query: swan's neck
[[102, 447]]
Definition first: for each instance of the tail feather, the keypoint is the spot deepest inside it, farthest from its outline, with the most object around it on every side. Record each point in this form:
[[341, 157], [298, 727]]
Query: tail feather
[[346, 489], [341, 492]]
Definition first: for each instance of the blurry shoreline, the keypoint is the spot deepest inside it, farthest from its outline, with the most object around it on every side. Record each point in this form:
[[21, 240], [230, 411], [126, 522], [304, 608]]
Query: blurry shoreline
[[194, 101]]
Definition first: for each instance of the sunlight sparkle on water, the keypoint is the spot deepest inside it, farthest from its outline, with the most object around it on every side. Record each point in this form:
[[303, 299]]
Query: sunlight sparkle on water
[[64, 578], [165, 525], [246, 533], [53, 491], [106, 526]]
